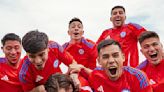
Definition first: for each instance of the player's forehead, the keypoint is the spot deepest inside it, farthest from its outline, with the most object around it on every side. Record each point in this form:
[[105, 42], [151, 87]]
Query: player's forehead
[[110, 49]]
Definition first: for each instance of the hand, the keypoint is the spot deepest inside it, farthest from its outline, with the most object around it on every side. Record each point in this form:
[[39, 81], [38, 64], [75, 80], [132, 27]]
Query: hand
[[75, 68]]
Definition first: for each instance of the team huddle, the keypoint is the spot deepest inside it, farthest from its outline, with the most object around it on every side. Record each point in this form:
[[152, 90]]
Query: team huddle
[[115, 51]]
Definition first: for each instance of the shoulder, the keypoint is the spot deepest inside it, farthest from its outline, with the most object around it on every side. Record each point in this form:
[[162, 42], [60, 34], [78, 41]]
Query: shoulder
[[24, 69], [55, 45], [134, 25], [142, 65], [2, 60], [89, 43], [65, 45], [138, 75]]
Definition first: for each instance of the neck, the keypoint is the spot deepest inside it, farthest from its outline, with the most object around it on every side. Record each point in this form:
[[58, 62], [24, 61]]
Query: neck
[[75, 41]]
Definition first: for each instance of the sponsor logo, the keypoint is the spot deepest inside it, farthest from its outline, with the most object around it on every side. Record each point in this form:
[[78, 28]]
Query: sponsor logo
[[152, 82], [38, 78], [5, 78], [100, 89]]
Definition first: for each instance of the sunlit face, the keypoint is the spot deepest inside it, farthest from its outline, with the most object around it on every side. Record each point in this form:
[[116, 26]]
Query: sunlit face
[[39, 59], [151, 48], [76, 30], [111, 59], [118, 17], [12, 50], [70, 89]]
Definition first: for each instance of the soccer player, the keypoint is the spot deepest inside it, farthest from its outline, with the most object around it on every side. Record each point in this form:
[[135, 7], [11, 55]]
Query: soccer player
[[114, 77], [42, 60], [10, 64], [125, 34], [60, 83], [83, 50], [153, 66]]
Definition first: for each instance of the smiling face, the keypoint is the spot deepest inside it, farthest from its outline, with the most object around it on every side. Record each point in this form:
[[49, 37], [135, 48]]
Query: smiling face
[[152, 50], [12, 50], [39, 59], [117, 17], [76, 31], [111, 59]]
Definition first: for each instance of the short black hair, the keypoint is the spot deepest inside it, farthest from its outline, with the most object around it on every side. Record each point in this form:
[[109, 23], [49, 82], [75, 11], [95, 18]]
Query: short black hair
[[146, 35], [10, 36], [107, 42], [75, 19], [57, 81], [34, 41], [118, 6]]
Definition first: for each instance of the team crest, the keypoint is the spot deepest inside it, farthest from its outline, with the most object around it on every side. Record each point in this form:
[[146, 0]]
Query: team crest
[[123, 34], [125, 90], [56, 63], [81, 51]]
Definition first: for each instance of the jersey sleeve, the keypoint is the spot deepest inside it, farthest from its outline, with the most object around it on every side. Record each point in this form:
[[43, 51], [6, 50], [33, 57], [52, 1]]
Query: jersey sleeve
[[61, 54], [25, 76], [102, 36], [140, 81], [136, 29], [92, 55]]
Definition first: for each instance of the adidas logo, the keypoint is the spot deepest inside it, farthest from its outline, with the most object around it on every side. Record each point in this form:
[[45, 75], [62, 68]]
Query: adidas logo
[[100, 89], [38, 78], [152, 82], [5, 78]]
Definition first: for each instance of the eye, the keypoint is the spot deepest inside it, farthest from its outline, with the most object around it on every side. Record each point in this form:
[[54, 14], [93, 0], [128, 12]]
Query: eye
[[115, 55], [8, 48], [105, 56], [155, 44]]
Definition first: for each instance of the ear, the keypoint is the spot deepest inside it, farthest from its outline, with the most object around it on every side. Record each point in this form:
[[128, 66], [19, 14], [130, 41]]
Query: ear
[[98, 59], [83, 31], [141, 51], [110, 18], [2, 49], [68, 32], [123, 56]]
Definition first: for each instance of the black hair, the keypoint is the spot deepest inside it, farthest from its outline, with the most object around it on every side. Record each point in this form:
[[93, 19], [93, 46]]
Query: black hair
[[10, 36], [146, 35], [75, 19], [107, 42], [118, 6], [34, 41], [57, 81]]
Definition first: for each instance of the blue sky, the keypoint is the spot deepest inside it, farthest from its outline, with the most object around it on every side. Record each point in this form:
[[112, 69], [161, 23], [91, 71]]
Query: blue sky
[[52, 16]]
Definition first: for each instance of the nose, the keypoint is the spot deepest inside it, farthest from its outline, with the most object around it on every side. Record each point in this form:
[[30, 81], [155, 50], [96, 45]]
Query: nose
[[13, 51], [151, 48], [111, 60], [37, 60]]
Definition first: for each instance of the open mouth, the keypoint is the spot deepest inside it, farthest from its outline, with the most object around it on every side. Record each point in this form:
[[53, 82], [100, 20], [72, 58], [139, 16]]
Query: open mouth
[[76, 33], [113, 70], [153, 55]]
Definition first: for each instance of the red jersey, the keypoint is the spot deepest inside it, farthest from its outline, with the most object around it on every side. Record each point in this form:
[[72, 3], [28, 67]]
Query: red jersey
[[132, 80], [30, 77], [127, 36], [9, 81], [85, 87], [84, 53], [155, 74]]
